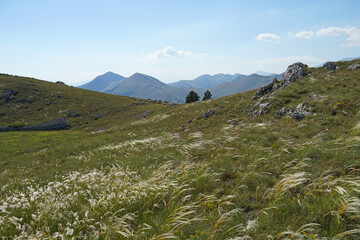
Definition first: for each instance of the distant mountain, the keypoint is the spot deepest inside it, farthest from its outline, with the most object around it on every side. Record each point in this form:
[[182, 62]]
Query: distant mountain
[[147, 87], [100, 83], [206, 81], [343, 59], [349, 58], [262, 73], [242, 84], [144, 86]]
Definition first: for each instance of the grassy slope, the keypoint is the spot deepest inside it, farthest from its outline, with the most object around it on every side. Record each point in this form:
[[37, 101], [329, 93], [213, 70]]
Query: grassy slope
[[280, 174]]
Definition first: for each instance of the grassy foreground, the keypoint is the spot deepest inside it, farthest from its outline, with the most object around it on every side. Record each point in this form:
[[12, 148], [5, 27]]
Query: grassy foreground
[[228, 176]]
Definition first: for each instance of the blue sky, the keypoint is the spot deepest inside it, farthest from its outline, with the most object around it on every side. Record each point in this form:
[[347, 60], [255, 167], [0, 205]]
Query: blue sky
[[74, 41]]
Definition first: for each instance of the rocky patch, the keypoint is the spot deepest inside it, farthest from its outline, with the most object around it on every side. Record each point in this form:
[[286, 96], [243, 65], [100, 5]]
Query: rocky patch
[[298, 116], [72, 113], [259, 108], [8, 95], [55, 124], [353, 66], [98, 115], [143, 114], [206, 115], [281, 112], [297, 113], [139, 103], [271, 87]]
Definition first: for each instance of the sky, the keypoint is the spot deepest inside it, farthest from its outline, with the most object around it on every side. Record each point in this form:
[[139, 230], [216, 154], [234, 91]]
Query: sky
[[76, 40]]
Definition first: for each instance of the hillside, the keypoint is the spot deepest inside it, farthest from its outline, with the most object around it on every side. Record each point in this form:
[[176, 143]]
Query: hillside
[[100, 83], [241, 84], [279, 162]]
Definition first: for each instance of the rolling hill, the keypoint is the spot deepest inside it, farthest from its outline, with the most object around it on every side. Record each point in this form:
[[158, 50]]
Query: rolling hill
[[283, 166]]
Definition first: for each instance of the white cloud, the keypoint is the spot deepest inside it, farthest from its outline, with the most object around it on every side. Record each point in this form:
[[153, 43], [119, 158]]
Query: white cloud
[[268, 37], [169, 53], [302, 34], [332, 31], [352, 33], [202, 55]]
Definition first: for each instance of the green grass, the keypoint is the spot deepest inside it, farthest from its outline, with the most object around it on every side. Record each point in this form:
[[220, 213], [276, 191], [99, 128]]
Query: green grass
[[256, 178]]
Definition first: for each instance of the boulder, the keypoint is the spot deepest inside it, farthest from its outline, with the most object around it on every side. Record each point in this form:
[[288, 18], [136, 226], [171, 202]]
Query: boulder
[[206, 114], [73, 113], [4, 129], [295, 71], [353, 66], [100, 129], [298, 116], [281, 112], [329, 66], [98, 115]]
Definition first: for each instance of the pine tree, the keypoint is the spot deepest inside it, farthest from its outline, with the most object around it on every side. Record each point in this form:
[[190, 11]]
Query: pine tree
[[207, 95], [192, 97]]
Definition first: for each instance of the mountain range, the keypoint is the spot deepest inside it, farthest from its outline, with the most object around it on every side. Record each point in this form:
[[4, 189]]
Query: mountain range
[[147, 87]]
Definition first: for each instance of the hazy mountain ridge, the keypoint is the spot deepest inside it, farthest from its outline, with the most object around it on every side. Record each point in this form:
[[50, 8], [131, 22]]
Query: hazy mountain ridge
[[242, 84], [207, 81], [144, 86]]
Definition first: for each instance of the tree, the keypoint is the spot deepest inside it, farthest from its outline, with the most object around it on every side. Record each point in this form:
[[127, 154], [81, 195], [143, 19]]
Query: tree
[[192, 97], [207, 95]]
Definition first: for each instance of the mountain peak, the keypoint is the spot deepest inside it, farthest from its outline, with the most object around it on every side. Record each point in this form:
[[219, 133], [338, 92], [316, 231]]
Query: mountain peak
[[102, 81]]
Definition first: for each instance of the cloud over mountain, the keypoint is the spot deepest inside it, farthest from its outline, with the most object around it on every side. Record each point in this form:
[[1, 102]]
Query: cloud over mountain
[[169, 53]]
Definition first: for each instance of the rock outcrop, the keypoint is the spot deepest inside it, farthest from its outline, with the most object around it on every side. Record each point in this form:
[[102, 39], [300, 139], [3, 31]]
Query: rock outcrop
[[271, 87], [353, 66], [295, 71], [55, 124], [329, 66]]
